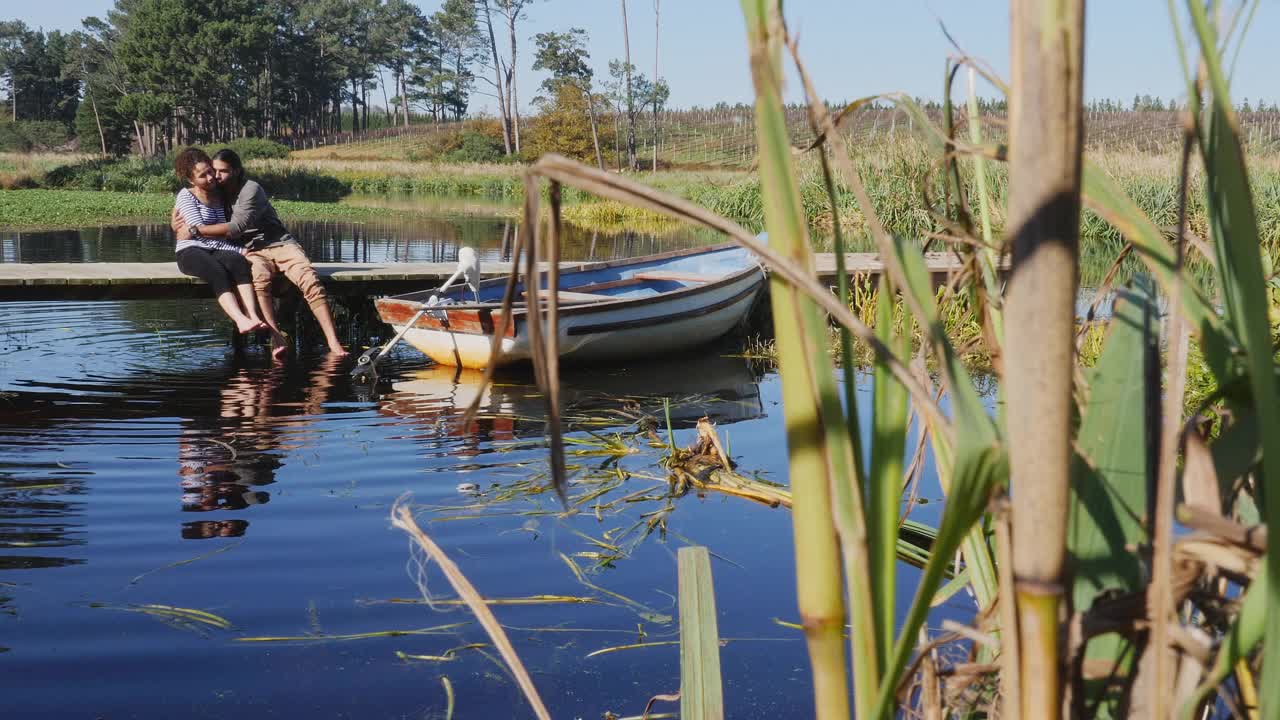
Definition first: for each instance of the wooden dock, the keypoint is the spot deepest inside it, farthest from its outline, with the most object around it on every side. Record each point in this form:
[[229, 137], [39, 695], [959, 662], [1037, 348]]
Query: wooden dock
[[143, 281]]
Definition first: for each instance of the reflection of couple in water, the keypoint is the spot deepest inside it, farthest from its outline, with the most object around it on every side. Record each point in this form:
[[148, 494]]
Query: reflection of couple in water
[[230, 236], [224, 463]]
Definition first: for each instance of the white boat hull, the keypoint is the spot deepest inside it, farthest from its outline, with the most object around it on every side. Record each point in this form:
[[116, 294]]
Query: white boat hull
[[630, 330]]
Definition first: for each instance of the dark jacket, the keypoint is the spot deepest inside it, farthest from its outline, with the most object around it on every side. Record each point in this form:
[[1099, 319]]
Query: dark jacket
[[254, 222]]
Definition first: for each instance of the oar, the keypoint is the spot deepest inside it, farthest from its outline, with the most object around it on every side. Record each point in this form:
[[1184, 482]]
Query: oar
[[366, 368]]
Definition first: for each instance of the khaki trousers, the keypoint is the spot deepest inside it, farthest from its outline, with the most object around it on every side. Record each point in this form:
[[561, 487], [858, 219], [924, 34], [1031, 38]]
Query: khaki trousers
[[289, 260]]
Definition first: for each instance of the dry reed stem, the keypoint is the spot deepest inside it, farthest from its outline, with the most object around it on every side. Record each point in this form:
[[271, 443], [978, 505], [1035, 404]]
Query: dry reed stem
[[1199, 476], [402, 517], [1160, 608], [670, 697], [930, 692], [495, 344], [551, 362], [1253, 538]]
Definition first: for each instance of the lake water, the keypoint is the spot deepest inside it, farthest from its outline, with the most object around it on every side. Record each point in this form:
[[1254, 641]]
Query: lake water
[[397, 240], [149, 476]]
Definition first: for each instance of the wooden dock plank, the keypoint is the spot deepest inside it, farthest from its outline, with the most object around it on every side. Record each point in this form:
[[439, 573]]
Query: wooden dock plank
[[148, 280]]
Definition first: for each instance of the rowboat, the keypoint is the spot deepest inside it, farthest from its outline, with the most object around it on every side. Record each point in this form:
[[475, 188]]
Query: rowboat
[[620, 309]]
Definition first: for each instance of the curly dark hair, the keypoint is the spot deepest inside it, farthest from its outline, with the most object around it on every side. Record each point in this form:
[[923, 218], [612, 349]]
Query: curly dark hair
[[187, 161]]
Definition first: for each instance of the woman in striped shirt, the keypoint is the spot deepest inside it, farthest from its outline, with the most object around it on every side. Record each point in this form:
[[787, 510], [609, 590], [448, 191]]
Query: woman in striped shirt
[[219, 263]]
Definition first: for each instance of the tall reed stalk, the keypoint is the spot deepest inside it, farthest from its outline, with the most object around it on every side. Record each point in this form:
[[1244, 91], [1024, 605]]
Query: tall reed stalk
[[1045, 144], [821, 454]]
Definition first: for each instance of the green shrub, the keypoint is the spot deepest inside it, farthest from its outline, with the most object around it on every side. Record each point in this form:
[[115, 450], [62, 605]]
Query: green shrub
[[251, 148], [122, 175], [12, 139], [292, 183], [33, 135], [477, 147], [155, 175]]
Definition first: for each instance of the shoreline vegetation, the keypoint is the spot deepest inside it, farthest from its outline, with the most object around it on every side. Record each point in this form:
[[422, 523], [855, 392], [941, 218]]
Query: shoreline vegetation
[[47, 209], [902, 183]]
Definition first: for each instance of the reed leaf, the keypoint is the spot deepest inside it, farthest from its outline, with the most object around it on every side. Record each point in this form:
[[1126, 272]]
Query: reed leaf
[[1234, 225], [828, 505], [701, 692], [796, 274], [1111, 469], [884, 482], [905, 266], [970, 418], [374, 635], [633, 646], [448, 695], [1104, 196], [978, 471], [974, 428], [989, 254]]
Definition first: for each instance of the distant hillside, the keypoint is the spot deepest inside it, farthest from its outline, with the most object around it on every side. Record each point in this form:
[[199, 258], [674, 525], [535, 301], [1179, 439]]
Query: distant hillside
[[725, 137]]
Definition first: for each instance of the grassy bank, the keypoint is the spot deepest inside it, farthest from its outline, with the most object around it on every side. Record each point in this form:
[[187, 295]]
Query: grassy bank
[[900, 177], [41, 208], [902, 181]]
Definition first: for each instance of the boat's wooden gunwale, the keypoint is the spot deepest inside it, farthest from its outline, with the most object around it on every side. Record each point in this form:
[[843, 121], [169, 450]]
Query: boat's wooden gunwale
[[468, 325], [398, 313], [592, 268]]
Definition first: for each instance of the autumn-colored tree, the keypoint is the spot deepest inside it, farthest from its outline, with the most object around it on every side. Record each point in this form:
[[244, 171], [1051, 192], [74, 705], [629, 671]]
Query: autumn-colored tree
[[563, 125]]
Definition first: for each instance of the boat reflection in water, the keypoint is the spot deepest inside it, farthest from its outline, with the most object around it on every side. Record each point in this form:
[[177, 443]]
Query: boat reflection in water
[[721, 388]]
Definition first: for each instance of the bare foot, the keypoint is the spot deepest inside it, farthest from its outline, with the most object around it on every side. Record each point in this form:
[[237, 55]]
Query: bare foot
[[249, 325], [279, 345], [338, 351]]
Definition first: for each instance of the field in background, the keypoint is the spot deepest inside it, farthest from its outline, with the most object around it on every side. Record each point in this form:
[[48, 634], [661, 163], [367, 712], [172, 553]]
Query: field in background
[[725, 137], [707, 157]]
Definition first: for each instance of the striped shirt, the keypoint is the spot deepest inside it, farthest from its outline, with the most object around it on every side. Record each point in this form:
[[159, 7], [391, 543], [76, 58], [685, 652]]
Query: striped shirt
[[194, 212]]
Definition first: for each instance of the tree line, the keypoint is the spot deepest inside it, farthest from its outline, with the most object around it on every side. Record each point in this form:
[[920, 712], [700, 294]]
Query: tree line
[[157, 74], [162, 73]]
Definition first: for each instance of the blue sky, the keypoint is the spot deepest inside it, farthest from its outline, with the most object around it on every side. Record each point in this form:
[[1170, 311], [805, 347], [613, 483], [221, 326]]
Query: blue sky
[[852, 47]]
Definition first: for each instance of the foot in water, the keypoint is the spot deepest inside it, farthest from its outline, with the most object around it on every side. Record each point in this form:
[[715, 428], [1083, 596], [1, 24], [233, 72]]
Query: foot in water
[[279, 346], [338, 351], [249, 325]]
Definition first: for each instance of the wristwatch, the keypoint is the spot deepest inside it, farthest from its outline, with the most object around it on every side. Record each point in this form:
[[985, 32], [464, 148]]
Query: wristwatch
[[195, 229]]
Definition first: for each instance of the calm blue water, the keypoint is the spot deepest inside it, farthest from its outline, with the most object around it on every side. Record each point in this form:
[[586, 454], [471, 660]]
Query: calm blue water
[[405, 240], [147, 472]]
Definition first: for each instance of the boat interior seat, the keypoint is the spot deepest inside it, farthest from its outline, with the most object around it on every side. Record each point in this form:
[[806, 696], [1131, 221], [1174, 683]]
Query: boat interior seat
[[671, 275], [570, 297]]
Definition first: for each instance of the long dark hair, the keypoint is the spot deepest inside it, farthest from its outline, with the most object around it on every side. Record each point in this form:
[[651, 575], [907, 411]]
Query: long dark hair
[[229, 156]]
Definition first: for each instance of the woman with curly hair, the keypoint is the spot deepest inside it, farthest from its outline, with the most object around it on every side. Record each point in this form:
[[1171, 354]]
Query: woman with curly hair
[[219, 263]]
